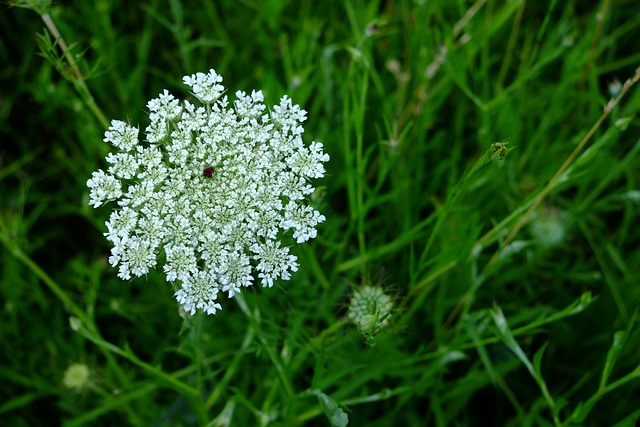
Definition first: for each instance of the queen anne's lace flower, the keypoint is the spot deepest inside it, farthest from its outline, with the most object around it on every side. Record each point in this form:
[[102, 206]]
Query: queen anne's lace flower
[[212, 194]]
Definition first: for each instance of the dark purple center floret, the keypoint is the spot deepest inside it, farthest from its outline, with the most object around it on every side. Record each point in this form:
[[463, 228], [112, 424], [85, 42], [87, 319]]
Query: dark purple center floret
[[208, 172]]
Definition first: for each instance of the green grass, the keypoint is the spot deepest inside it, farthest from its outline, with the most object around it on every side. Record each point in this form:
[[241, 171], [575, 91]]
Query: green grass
[[514, 269]]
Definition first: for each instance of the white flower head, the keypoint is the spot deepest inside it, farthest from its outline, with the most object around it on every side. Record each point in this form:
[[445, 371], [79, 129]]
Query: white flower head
[[103, 188], [205, 87], [214, 194], [121, 135]]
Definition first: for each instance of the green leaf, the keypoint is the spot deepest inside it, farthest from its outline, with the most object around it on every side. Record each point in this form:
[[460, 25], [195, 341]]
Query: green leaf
[[21, 401], [630, 420], [336, 416], [534, 368], [537, 360], [619, 339]]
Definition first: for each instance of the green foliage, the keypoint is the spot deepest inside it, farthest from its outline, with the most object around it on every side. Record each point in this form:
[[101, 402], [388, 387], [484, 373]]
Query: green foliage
[[514, 266]]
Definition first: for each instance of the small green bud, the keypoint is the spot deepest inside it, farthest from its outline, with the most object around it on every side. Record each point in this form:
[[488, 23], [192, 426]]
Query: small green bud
[[370, 309], [76, 376]]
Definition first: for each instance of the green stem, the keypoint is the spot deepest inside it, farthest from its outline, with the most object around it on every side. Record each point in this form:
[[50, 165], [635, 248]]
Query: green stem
[[555, 180], [51, 284], [75, 75]]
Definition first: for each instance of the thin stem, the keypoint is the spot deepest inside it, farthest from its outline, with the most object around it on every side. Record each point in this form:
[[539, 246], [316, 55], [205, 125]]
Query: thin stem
[[75, 75], [467, 297], [506, 63], [554, 180]]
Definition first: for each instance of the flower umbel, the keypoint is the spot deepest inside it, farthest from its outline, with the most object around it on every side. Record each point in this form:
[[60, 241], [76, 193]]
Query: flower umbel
[[214, 193], [370, 309]]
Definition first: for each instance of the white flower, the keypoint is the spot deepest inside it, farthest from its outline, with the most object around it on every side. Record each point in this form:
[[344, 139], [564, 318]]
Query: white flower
[[103, 188], [205, 87], [274, 262], [308, 161], [138, 257], [215, 195], [123, 165], [121, 222], [181, 262], [199, 292], [122, 136], [303, 219], [165, 106], [234, 272]]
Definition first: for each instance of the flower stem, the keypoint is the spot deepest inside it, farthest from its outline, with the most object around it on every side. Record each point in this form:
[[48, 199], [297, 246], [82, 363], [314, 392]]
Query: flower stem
[[75, 75], [553, 181]]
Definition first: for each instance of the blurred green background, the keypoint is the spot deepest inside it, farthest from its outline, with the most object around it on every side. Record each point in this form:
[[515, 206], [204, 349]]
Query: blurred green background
[[535, 328]]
